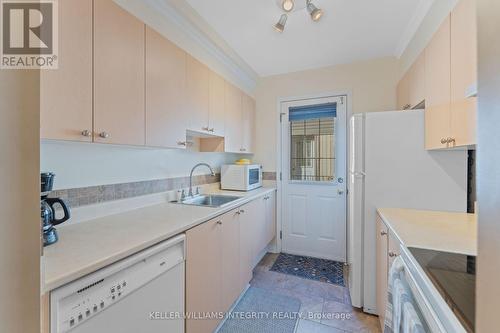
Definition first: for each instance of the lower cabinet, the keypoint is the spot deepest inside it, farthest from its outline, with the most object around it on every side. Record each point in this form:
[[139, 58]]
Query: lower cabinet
[[387, 250], [220, 257]]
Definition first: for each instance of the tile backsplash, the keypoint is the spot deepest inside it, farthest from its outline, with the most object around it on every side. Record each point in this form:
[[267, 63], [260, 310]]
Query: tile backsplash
[[77, 197]]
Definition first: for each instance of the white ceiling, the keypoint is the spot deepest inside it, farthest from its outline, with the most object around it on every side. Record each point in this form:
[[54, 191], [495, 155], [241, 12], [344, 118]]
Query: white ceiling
[[350, 30]]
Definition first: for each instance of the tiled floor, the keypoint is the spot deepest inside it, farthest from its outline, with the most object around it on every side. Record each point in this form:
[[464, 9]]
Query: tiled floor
[[326, 308]]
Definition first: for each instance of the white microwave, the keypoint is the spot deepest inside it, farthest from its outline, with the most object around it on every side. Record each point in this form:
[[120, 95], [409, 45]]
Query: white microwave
[[241, 177]]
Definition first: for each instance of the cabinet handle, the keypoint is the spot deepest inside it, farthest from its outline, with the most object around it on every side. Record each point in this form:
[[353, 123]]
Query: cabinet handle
[[383, 233], [181, 143], [86, 133], [444, 141], [392, 254], [219, 222], [104, 135]]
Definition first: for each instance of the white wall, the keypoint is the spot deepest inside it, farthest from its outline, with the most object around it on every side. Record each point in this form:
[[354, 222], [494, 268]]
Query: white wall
[[84, 164], [371, 83], [439, 10]]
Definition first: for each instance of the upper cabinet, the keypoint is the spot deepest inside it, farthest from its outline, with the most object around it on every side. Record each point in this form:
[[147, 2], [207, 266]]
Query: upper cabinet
[[463, 110], [217, 95], [197, 81], [118, 75], [437, 88], [233, 119], [121, 82], [66, 93], [248, 116], [441, 76], [166, 116]]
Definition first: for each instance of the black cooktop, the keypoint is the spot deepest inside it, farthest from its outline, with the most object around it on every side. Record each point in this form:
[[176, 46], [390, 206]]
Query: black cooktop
[[454, 276]]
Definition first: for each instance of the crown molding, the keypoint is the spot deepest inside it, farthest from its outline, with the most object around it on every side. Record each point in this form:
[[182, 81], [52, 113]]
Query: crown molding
[[412, 27], [167, 20]]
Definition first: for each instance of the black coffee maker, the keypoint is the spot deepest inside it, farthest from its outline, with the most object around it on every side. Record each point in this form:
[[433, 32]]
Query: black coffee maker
[[48, 211]]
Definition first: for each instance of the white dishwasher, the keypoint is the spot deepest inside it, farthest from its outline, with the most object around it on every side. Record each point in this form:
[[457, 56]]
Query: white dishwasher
[[143, 293]]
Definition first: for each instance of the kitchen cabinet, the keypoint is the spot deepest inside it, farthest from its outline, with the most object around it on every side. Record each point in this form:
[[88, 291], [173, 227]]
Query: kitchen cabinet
[[233, 139], [216, 114], [197, 81], [66, 93], [45, 313], [437, 88], [248, 116], [204, 274], [249, 216], [119, 111], [166, 116], [393, 249], [382, 268], [266, 223], [403, 93], [416, 82], [463, 111]]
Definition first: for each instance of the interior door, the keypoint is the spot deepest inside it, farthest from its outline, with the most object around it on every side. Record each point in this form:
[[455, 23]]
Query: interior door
[[314, 177]]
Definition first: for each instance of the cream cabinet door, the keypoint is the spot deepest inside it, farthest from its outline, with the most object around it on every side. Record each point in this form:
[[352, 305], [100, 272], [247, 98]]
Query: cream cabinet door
[[463, 72], [216, 108], [197, 80], [416, 81], [270, 218], [118, 75], [437, 88], [166, 118], [248, 116], [230, 243], [233, 139], [66, 93], [204, 270], [248, 216], [382, 268], [403, 93]]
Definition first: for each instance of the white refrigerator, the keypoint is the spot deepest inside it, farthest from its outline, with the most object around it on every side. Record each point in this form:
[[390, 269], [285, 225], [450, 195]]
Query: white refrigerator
[[389, 167]]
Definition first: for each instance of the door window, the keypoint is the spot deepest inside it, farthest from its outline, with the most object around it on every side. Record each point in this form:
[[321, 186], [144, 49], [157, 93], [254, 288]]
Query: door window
[[312, 142]]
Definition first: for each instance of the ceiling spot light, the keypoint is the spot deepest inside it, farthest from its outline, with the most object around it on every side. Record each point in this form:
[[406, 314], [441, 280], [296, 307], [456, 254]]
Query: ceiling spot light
[[287, 5], [280, 26], [314, 11]]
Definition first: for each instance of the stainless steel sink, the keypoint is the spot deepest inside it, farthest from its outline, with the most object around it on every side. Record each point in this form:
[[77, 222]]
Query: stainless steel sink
[[210, 200]]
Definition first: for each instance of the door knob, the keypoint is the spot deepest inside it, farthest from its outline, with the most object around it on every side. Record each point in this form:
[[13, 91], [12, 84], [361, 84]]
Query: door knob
[[86, 133]]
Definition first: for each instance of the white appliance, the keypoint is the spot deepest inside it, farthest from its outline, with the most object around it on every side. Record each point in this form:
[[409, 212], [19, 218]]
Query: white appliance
[[241, 177], [143, 293], [389, 167]]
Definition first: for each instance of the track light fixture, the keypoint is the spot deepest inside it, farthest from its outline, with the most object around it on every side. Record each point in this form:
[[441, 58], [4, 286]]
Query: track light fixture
[[314, 11], [288, 6], [280, 26]]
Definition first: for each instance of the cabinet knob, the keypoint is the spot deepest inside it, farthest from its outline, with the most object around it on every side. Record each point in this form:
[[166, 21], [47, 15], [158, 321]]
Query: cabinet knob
[[242, 211], [104, 135], [383, 233], [243, 149], [444, 141], [219, 222], [205, 128], [450, 140], [392, 254], [211, 130], [86, 133], [182, 143]]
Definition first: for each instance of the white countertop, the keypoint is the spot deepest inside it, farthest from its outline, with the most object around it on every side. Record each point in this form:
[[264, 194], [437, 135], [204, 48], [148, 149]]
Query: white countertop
[[442, 231], [88, 246]]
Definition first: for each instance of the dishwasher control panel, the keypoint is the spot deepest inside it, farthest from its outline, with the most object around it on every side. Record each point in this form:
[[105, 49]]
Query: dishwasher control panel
[[77, 302]]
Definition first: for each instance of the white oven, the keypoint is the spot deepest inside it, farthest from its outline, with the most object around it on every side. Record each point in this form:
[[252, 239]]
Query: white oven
[[241, 177]]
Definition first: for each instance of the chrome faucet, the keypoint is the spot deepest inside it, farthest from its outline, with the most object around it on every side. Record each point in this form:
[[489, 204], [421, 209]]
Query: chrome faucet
[[212, 173]]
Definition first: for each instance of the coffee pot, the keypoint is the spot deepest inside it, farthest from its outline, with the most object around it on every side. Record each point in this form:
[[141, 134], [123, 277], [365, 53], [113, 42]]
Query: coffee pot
[[48, 210]]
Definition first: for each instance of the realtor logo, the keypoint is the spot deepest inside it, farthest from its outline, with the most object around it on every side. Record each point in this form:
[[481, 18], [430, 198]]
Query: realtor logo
[[29, 34]]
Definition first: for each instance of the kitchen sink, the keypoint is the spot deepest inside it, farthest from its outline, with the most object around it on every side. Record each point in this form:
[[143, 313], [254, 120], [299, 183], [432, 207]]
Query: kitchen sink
[[210, 200]]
